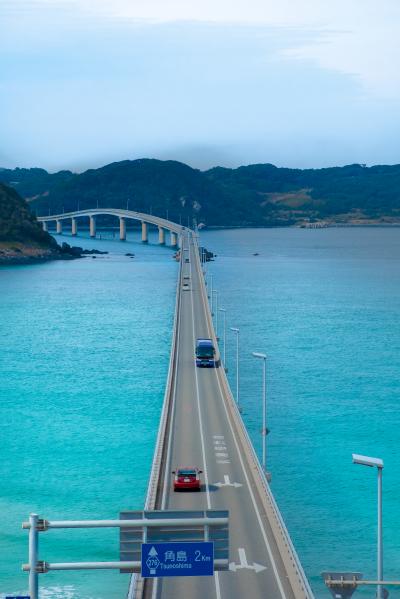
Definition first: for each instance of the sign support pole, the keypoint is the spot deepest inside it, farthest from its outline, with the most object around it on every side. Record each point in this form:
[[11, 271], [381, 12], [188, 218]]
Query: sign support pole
[[33, 557]]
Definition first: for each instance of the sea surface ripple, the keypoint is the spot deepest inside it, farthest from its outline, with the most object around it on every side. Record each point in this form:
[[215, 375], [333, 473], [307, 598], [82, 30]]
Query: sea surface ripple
[[85, 349]]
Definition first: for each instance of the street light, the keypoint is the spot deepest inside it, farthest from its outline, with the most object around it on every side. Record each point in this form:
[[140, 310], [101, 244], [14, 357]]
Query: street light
[[216, 312], [264, 430], [224, 314], [375, 463], [236, 331]]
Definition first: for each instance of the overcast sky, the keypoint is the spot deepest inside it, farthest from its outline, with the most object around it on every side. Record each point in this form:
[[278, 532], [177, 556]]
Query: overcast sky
[[305, 83]]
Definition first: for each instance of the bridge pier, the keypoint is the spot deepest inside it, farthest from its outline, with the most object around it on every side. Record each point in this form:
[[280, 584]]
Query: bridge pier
[[59, 227], [44, 225], [145, 238], [174, 240], [161, 236], [122, 229], [74, 227], [92, 225]]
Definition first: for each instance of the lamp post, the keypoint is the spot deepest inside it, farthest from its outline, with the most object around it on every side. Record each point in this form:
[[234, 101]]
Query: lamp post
[[264, 430], [378, 464], [224, 315], [216, 312], [211, 293], [236, 331]]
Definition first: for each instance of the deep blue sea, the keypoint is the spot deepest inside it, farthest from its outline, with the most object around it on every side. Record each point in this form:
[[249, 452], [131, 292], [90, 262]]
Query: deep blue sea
[[84, 356]]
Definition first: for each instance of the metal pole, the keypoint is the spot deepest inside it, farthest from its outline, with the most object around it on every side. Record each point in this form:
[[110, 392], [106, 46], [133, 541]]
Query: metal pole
[[237, 369], [33, 557], [211, 293], [224, 335], [216, 313], [224, 339], [264, 431], [380, 537]]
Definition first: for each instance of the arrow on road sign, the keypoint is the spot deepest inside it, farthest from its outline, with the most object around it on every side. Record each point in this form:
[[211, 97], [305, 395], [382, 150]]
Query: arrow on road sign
[[243, 565], [227, 483], [153, 552]]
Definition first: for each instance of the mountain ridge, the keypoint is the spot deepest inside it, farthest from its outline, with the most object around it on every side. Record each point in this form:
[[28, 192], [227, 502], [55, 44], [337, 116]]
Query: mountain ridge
[[252, 195]]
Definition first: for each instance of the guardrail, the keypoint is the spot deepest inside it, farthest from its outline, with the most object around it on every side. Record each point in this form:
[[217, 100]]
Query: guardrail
[[286, 548], [136, 584]]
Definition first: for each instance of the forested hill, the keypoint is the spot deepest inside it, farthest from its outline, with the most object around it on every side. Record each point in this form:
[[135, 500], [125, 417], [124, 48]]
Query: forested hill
[[18, 224], [255, 195]]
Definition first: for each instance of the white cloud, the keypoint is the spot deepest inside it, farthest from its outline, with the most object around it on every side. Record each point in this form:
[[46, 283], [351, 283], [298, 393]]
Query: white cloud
[[295, 83], [360, 38], [356, 37]]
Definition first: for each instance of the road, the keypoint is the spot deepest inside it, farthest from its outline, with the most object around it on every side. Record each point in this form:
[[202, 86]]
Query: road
[[203, 434]]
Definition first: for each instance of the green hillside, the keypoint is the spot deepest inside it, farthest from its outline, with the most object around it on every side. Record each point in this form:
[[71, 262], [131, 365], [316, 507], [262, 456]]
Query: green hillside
[[254, 195], [18, 224]]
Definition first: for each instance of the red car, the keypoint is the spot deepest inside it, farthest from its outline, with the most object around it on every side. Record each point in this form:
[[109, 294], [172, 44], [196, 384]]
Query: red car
[[187, 479]]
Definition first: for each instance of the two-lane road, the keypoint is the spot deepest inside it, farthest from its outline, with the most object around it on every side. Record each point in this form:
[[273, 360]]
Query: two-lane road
[[203, 434]]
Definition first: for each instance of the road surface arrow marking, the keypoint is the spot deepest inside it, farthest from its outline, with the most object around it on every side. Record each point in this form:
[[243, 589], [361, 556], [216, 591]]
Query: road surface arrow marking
[[243, 565], [227, 483]]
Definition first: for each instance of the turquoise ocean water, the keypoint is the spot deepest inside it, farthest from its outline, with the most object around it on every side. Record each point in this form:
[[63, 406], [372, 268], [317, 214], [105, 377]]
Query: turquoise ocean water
[[85, 349]]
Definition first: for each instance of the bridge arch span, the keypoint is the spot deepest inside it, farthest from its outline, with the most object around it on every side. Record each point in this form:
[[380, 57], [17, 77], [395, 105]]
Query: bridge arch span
[[163, 224]]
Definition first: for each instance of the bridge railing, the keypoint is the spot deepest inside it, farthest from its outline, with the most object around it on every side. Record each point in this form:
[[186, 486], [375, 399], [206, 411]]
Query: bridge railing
[[157, 221], [287, 550], [136, 583]]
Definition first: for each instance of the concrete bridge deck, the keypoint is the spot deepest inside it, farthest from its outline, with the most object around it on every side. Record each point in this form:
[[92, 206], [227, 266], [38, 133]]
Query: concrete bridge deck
[[202, 427], [123, 215]]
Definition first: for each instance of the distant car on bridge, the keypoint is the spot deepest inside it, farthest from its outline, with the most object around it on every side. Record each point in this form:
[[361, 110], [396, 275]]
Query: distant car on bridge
[[205, 353], [187, 479]]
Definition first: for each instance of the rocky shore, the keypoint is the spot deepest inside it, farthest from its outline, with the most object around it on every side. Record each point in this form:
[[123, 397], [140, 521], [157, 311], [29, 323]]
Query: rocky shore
[[14, 253]]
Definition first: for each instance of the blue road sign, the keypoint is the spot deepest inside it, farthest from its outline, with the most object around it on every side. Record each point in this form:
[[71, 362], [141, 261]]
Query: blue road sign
[[17, 597], [177, 559]]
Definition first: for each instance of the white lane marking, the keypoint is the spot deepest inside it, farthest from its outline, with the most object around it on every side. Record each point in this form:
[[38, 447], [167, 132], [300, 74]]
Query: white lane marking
[[167, 480], [216, 576], [227, 483], [244, 565], [218, 437], [260, 523], [223, 461]]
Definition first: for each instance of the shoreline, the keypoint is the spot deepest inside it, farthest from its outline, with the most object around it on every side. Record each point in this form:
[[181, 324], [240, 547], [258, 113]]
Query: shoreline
[[17, 253]]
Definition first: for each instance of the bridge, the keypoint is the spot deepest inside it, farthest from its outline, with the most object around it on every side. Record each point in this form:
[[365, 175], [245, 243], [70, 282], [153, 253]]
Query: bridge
[[163, 224], [201, 426]]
